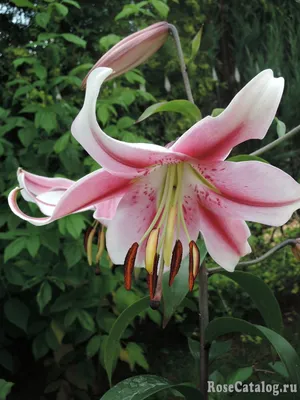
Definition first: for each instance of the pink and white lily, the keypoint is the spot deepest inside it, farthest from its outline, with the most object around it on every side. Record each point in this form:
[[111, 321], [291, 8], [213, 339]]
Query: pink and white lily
[[166, 196]]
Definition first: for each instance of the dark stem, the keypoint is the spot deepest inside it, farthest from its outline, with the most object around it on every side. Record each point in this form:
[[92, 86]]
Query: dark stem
[[184, 73], [203, 322], [288, 242]]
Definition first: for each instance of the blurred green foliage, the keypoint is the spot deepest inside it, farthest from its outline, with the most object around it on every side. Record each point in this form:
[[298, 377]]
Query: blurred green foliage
[[55, 311]]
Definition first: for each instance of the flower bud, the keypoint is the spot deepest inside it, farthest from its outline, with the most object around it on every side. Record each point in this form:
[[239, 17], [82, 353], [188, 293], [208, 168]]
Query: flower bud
[[133, 50]]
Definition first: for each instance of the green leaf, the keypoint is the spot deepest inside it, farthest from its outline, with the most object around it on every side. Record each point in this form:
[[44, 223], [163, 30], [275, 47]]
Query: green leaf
[[246, 157], [86, 320], [61, 9], [40, 71], [44, 295], [27, 135], [280, 127], [162, 8], [125, 122], [23, 3], [72, 3], [280, 368], [17, 313], [287, 354], [69, 37], [143, 386], [5, 388], [39, 346], [62, 143], [240, 375], [6, 360], [42, 19], [217, 349], [136, 356], [196, 44], [81, 68], [14, 248], [119, 326], [46, 119], [183, 107], [72, 253], [216, 112], [174, 295], [93, 345], [33, 245], [261, 295]]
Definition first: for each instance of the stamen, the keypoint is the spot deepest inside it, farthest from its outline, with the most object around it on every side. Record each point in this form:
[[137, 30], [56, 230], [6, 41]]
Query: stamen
[[169, 235], [194, 263], [101, 244], [151, 250], [129, 265], [152, 278], [176, 261], [89, 244]]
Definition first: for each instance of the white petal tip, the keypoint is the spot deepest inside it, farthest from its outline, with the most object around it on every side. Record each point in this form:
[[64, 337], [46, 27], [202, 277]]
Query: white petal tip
[[100, 73]]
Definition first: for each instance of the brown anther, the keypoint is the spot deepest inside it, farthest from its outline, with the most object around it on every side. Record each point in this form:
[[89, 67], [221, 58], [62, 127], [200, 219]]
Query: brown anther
[[194, 263], [129, 265], [152, 278], [175, 261]]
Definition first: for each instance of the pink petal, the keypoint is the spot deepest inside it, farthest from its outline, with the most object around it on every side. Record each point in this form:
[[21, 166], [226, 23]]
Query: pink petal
[[134, 215], [225, 238], [106, 210], [250, 190], [126, 159], [248, 116], [45, 192], [82, 195]]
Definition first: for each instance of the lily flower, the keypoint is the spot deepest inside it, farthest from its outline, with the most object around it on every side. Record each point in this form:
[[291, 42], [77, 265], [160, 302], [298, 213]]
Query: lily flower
[[168, 195]]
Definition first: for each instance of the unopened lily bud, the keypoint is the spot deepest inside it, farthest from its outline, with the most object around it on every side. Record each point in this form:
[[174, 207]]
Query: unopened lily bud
[[296, 250], [133, 50]]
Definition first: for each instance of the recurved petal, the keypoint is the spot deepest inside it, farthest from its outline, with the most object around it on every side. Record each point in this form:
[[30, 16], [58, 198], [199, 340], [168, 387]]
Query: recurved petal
[[44, 191], [250, 190], [82, 195], [248, 116], [225, 238], [127, 159], [106, 210]]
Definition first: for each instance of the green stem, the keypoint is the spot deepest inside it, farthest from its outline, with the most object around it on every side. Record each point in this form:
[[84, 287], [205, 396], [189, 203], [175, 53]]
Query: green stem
[[203, 323], [276, 142], [288, 242], [183, 68]]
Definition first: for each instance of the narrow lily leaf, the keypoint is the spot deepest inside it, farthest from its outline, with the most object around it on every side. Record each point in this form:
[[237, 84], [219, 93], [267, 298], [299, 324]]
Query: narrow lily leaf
[[70, 37], [246, 157], [287, 354], [261, 295], [217, 349], [183, 107], [174, 295], [117, 330], [196, 44], [5, 388], [240, 375], [280, 127], [280, 368], [143, 386], [216, 112]]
